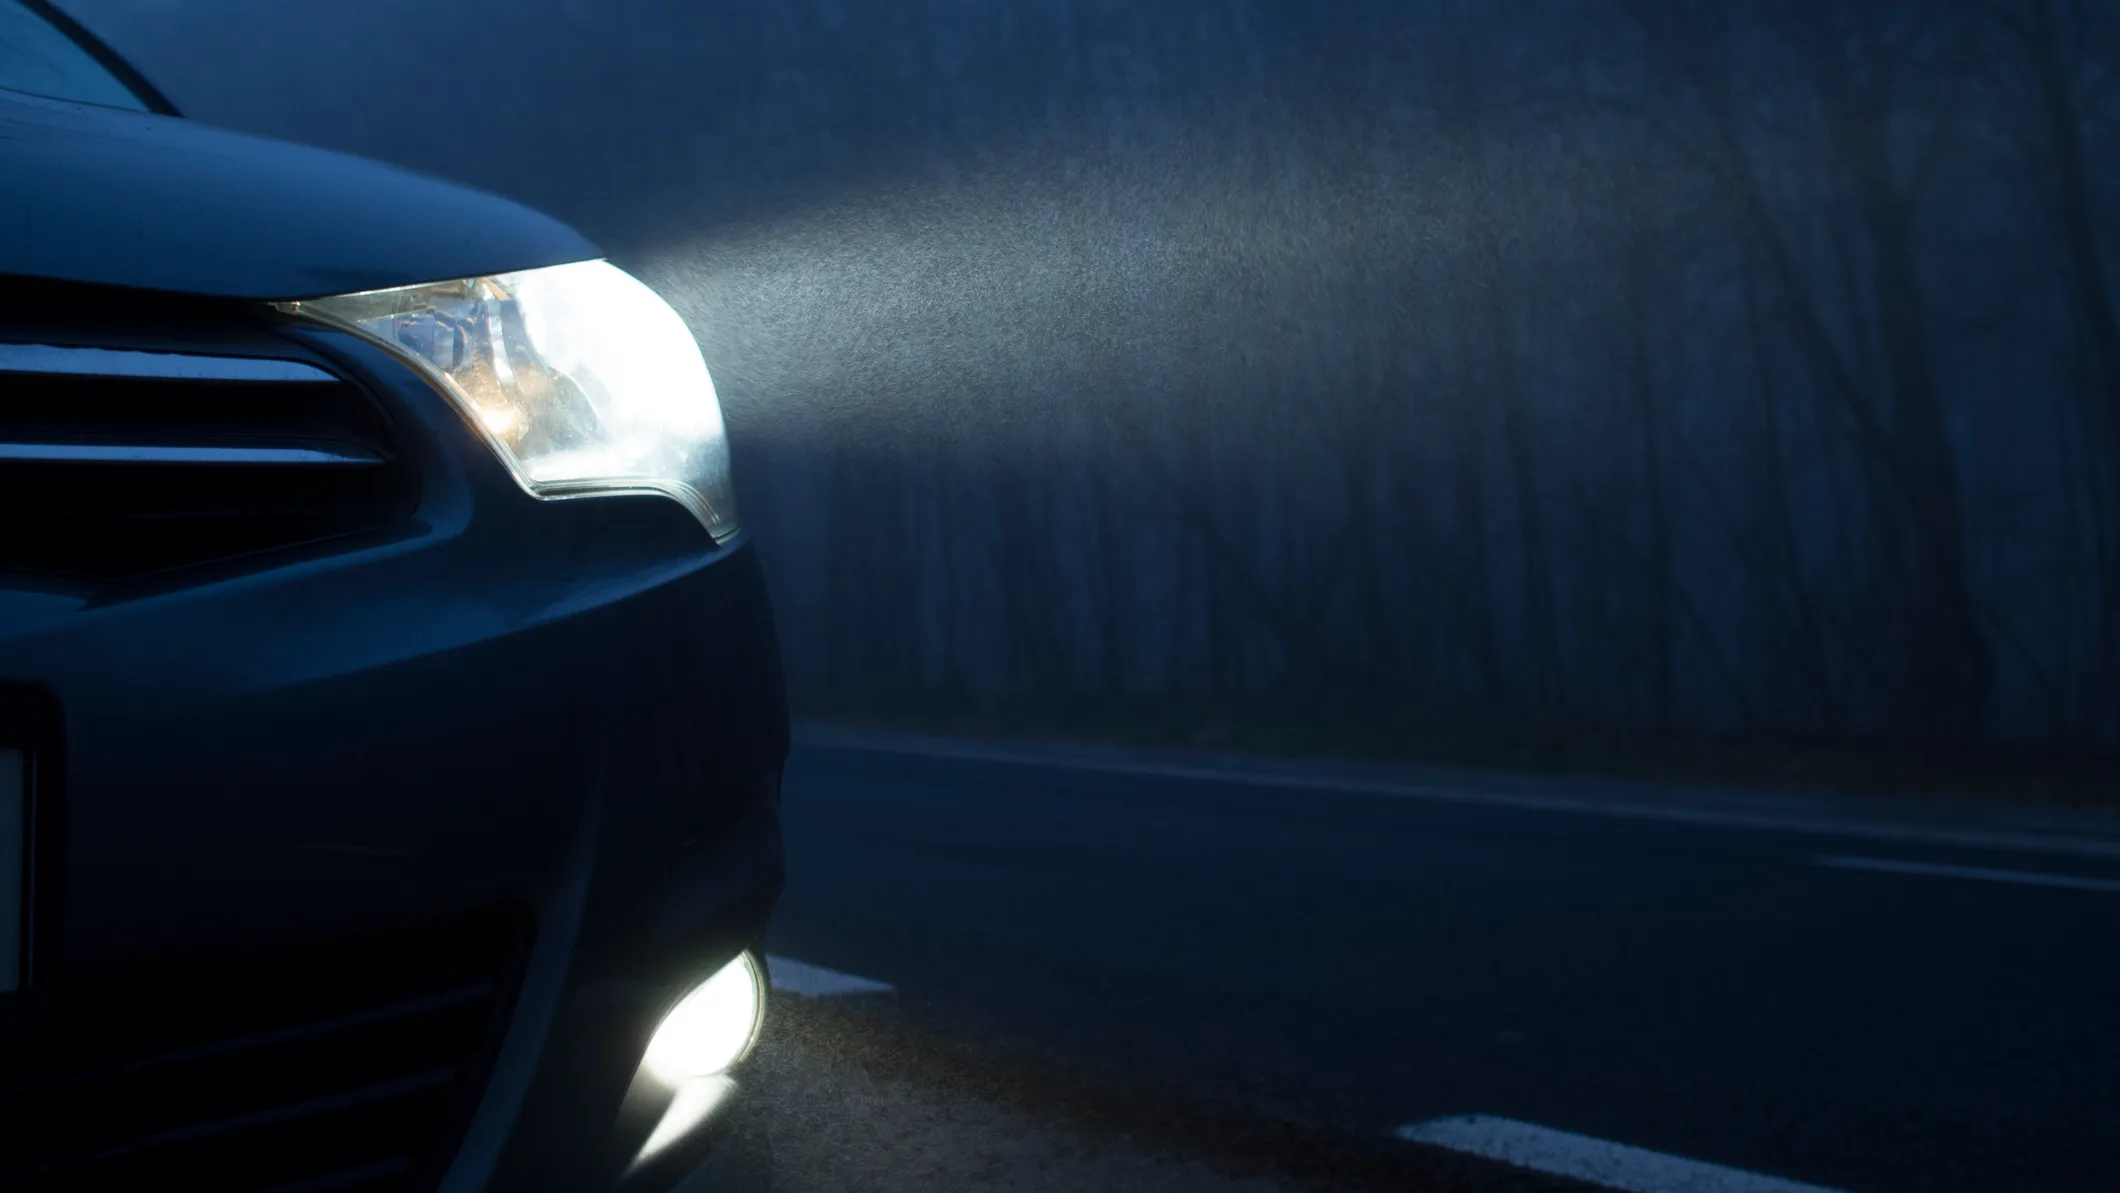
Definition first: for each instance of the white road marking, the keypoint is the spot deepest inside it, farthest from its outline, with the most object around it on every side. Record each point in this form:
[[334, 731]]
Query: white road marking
[[815, 981], [2050, 843], [1934, 870], [1613, 1165]]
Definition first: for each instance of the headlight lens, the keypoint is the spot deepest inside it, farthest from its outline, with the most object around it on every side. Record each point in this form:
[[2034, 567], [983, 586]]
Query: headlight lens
[[582, 378], [711, 1028]]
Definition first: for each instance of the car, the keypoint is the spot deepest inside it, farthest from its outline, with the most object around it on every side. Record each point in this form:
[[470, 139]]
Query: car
[[391, 715]]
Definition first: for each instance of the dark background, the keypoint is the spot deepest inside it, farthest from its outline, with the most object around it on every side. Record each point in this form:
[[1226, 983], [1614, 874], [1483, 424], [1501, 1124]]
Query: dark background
[[1614, 367]]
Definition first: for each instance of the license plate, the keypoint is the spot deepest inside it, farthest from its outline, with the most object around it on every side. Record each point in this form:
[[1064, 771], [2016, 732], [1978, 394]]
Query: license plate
[[14, 859]]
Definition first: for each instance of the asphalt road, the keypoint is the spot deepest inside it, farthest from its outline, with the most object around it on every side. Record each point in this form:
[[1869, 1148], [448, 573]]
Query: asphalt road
[[1865, 997]]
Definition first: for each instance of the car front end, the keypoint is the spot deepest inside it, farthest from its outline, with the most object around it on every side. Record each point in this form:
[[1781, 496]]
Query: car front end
[[391, 721]]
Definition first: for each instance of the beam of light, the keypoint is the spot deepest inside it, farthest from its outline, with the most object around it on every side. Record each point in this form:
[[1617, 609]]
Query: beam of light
[[691, 1107]]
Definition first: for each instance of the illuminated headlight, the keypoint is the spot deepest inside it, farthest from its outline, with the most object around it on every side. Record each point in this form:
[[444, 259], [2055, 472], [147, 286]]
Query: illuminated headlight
[[581, 377], [707, 1032]]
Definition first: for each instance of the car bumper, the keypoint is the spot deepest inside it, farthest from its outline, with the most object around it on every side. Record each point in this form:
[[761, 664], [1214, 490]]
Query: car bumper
[[556, 726]]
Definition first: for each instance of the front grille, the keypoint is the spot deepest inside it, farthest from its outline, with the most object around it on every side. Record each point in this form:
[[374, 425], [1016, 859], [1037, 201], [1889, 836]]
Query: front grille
[[337, 1065], [116, 462]]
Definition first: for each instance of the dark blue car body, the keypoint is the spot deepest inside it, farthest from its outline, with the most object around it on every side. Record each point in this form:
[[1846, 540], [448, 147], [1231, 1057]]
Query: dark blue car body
[[372, 826]]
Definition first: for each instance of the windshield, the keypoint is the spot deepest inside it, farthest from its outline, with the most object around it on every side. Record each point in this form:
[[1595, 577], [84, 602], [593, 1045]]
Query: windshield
[[39, 57]]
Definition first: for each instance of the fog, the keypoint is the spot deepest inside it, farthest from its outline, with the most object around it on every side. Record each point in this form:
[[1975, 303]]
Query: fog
[[1610, 366]]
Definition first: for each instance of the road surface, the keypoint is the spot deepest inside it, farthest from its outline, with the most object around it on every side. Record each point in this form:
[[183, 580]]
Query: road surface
[[1859, 995]]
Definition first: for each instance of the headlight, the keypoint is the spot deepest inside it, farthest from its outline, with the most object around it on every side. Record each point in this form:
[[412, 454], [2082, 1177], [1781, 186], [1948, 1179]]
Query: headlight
[[582, 379], [711, 1028]]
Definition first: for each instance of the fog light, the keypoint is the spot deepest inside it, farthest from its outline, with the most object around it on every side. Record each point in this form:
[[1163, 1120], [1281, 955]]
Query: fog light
[[712, 1028]]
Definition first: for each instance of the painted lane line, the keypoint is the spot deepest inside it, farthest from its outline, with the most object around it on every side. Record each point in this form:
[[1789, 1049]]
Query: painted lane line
[[1881, 865], [815, 981], [2012, 841], [1612, 1165]]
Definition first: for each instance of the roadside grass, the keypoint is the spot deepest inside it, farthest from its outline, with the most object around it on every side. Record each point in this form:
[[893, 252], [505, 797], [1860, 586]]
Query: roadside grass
[[2026, 776]]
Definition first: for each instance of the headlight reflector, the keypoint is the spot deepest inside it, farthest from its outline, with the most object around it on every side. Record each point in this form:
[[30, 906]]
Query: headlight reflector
[[582, 378]]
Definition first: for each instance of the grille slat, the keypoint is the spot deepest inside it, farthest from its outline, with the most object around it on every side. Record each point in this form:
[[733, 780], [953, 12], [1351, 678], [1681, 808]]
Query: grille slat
[[417, 1083], [333, 1064], [448, 999], [206, 455], [117, 463], [65, 360], [276, 1115]]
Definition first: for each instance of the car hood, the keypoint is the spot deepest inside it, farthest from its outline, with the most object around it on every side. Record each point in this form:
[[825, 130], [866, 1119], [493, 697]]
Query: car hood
[[119, 198]]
